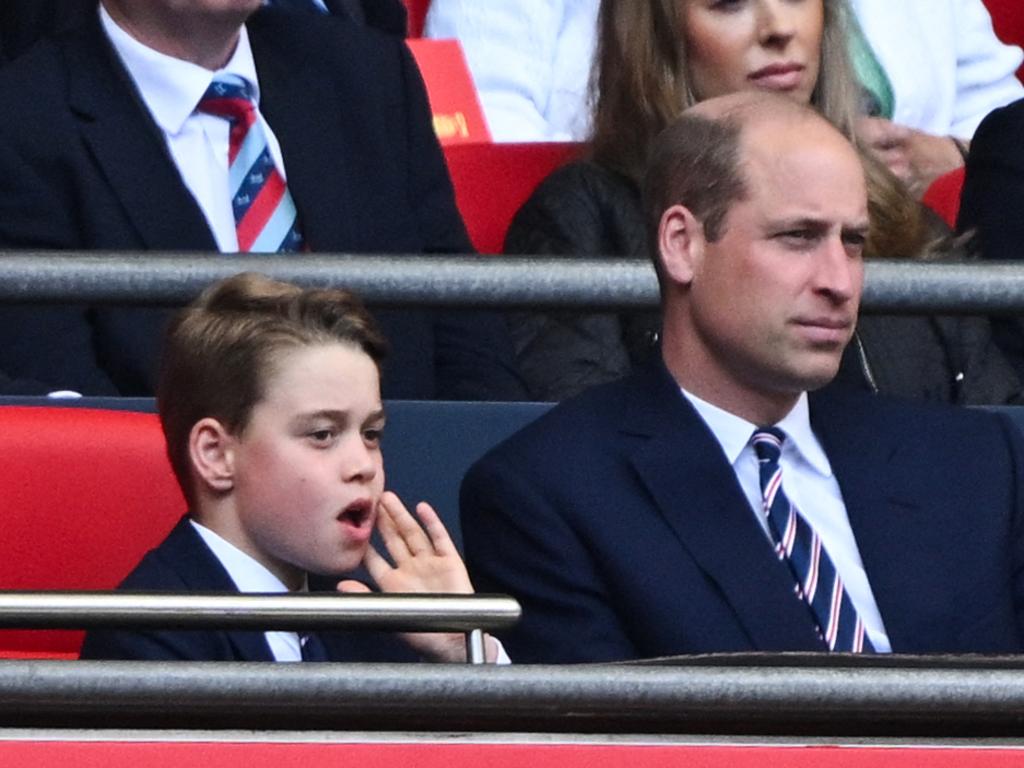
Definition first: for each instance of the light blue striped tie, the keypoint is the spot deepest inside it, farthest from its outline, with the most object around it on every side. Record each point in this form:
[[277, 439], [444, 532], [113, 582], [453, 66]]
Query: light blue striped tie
[[265, 217]]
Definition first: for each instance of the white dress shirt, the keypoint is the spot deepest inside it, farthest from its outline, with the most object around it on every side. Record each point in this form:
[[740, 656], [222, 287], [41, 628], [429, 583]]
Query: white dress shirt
[[198, 143], [252, 576], [810, 485]]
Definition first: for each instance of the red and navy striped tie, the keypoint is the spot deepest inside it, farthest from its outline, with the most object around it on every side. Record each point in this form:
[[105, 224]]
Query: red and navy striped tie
[[265, 217], [817, 582]]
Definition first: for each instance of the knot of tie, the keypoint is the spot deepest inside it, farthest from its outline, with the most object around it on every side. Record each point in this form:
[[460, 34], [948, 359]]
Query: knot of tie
[[230, 97], [767, 442]]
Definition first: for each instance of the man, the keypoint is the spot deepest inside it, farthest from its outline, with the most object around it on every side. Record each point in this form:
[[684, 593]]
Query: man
[[108, 142], [645, 517]]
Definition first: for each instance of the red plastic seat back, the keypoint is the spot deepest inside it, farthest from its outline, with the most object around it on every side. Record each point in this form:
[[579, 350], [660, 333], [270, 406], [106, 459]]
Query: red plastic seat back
[[493, 180], [943, 195], [83, 495], [1008, 21], [417, 10]]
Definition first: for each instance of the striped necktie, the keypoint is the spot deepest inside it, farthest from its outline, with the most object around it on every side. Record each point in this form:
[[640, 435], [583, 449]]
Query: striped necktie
[[817, 582], [265, 217]]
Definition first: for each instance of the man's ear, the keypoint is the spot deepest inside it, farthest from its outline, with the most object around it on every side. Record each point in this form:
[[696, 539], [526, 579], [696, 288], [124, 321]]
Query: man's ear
[[680, 244], [211, 452]]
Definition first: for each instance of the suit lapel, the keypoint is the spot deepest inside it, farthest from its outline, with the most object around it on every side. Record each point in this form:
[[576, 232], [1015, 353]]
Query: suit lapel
[[202, 572], [303, 106], [695, 489], [129, 148], [868, 462]]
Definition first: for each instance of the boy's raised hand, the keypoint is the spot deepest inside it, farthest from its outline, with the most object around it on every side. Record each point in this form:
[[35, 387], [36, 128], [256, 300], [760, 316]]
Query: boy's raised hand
[[426, 560]]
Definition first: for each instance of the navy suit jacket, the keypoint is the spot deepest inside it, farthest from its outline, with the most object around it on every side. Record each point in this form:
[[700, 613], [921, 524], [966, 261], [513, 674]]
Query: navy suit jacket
[[618, 523], [83, 166], [183, 563]]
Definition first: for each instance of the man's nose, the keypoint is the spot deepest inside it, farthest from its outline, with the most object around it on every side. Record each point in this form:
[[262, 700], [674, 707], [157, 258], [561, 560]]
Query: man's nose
[[838, 273]]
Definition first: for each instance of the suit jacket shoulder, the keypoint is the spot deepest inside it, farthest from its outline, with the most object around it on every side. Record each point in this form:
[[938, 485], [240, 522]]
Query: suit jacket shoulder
[[619, 525], [181, 563]]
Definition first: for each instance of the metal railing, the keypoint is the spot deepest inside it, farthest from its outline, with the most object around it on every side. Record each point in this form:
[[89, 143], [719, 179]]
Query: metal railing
[[287, 612], [759, 695], [470, 281]]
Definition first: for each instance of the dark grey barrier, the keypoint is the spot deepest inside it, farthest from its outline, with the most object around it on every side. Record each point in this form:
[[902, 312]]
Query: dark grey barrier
[[759, 695], [469, 281]]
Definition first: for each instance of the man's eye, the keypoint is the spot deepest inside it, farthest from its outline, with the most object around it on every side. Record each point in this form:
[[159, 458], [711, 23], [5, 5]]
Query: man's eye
[[799, 236]]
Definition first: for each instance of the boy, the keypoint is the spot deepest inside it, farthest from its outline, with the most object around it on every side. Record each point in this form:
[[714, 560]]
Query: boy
[[269, 397]]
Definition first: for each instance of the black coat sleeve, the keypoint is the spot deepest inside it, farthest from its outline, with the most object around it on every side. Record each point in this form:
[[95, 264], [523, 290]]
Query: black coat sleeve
[[473, 357], [580, 210], [990, 207]]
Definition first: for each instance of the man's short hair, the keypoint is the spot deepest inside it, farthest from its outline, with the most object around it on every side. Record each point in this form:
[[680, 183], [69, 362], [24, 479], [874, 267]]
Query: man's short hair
[[695, 162], [221, 349]]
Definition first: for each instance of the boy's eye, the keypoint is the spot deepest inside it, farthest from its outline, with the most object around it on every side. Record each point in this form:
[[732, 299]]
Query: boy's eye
[[373, 435], [322, 435]]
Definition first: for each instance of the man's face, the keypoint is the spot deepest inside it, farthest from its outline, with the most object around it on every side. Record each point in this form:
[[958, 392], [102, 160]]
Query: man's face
[[308, 470], [204, 32], [773, 302]]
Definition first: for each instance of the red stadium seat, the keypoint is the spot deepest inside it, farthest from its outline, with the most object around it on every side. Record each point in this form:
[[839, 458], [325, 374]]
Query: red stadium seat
[[493, 180], [1008, 20], [943, 195], [83, 494], [417, 10]]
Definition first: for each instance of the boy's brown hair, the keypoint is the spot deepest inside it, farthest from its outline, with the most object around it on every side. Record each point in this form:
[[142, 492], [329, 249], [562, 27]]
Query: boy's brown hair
[[220, 350]]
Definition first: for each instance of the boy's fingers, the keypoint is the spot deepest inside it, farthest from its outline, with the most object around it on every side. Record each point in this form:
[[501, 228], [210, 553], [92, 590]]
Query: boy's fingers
[[351, 585], [439, 538], [375, 564], [395, 543], [405, 524]]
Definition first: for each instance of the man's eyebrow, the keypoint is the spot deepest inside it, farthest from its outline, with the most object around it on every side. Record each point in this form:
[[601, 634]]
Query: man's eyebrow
[[801, 222], [857, 228]]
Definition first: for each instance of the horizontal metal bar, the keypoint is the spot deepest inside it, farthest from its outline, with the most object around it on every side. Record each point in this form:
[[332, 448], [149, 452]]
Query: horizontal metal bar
[[389, 612], [703, 697], [469, 281]]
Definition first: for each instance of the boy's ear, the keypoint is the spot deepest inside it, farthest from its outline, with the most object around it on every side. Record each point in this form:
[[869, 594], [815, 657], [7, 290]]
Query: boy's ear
[[680, 244], [211, 452]]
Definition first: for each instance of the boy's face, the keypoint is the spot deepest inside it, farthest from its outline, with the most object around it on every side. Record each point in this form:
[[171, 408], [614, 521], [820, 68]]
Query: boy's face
[[307, 468]]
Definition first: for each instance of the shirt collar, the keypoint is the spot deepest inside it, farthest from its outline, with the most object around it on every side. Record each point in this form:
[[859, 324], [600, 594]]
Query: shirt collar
[[171, 88], [733, 432], [248, 574]]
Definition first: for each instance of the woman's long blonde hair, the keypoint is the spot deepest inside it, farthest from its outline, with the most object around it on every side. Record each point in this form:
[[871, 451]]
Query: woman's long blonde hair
[[640, 83]]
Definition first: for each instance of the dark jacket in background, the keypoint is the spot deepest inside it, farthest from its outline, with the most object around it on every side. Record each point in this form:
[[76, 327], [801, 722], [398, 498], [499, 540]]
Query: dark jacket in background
[[992, 207], [586, 210]]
